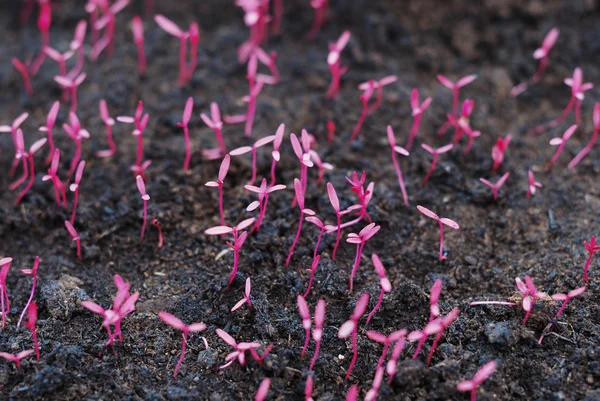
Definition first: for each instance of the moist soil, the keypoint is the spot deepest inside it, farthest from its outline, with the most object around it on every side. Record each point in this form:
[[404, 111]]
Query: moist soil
[[497, 241]]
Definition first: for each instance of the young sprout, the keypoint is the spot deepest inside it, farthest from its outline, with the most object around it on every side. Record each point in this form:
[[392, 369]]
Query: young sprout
[[245, 149], [263, 390], [156, 224], [434, 296], [214, 122], [495, 187], [431, 328], [303, 211], [364, 98], [435, 153], [76, 46], [560, 142], [33, 272], [194, 35], [482, 375], [276, 155], [22, 69], [417, 112], [364, 198], [145, 197], [320, 7], [402, 151], [306, 322], [565, 298], [322, 227], [108, 124], [74, 187], [455, 88], [583, 152], [59, 187], [75, 236], [13, 129], [312, 270], [137, 28], [179, 325], [351, 328], [384, 282], [172, 29], [591, 248], [263, 200], [379, 86], [386, 341], [219, 184], [246, 299], [445, 322], [76, 133], [71, 84], [392, 364], [317, 333], [256, 16], [50, 121], [5, 266], [61, 59], [334, 62], [330, 125], [187, 115], [461, 123], [240, 349], [302, 151], [20, 155], [140, 121], [260, 358], [541, 54], [441, 221], [32, 313], [371, 395], [498, 151], [16, 358], [107, 21], [269, 61], [43, 24], [29, 157], [532, 184], [321, 165]]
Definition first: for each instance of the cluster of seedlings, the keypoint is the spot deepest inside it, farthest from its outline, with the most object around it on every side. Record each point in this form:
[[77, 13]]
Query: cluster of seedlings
[[262, 18]]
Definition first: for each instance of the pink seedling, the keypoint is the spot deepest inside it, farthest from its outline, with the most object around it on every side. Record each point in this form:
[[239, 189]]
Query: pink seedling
[[256, 17], [352, 394], [334, 62], [435, 153], [261, 358], [16, 358], [276, 155], [13, 129], [61, 59], [239, 237], [50, 121], [441, 221], [108, 124], [219, 184], [565, 298], [245, 149], [455, 88], [187, 115], [303, 211], [417, 112], [4, 267], [532, 184], [74, 187], [392, 364], [76, 133], [317, 333], [75, 236], [263, 200], [335, 203], [541, 54], [172, 29], [482, 375], [312, 270], [371, 395], [71, 84], [397, 149], [384, 282], [59, 187], [431, 328], [498, 151], [179, 325], [246, 299], [33, 272], [76, 46], [140, 122], [214, 122], [364, 198], [322, 229], [330, 125], [302, 151], [364, 98], [592, 142], [351, 328], [145, 197], [434, 296], [470, 133], [108, 23], [560, 142], [240, 349], [445, 322], [269, 61], [306, 322], [28, 157], [137, 28], [390, 79], [263, 390], [461, 123], [591, 248], [158, 226], [22, 69], [32, 313], [495, 187], [20, 155], [43, 24], [320, 7], [386, 341], [308, 388]]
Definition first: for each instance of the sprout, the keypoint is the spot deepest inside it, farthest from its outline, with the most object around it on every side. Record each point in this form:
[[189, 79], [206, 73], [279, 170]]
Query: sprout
[[441, 221], [177, 324], [417, 112], [334, 63], [495, 187], [482, 375], [351, 328]]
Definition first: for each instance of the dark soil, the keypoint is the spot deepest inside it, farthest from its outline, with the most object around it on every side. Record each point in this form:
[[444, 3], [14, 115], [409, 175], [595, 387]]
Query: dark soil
[[541, 237]]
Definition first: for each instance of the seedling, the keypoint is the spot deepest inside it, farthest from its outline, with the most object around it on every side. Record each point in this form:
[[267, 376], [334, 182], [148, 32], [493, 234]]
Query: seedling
[[108, 21], [5, 266], [177, 324], [214, 122], [76, 133], [256, 16], [269, 61], [532, 184], [32, 313], [33, 272], [591, 248], [495, 187], [219, 184], [245, 149], [434, 296], [187, 115], [351, 328], [455, 88], [379, 86], [303, 211], [330, 125], [75, 236], [472, 135], [137, 28], [334, 62], [583, 152], [498, 151], [246, 299], [59, 187], [194, 35], [320, 7], [306, 322], [335, 203], [61, 59], [140, 122], [384, 282], [29, 157], [108, 124], [317, 333], [482, 375], [461, 123], [50, 121], [441, 221], [76, 46], [565, 298], [302, 151], [312, 270], [145, 197], [308, 388], [431, 328], [364, 198], [13, 129], [240, 349], [445, 322], [22, 69], [402, 151], [371, 395], [261, 358], [74, 187], [417, 112], [435, 153], [560, 142], [20, 155], [276, 155], [263, 200], [172, 29], [321, 165], [386, 341], [16, 358], [364, 98], [238, 240], [71, 84], [263, 390], [43, 24], [541, 54], [158, 226]]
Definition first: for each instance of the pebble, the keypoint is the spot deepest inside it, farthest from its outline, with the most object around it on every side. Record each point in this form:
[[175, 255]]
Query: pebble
[[63, 296]]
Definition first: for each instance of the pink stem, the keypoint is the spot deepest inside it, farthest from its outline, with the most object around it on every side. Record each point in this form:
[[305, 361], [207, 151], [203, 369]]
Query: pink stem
[[339, 236], [360, 122], [555, 157], [29, 184], [287, 262], [442, 257], [250, 115], [355, 353], [76, 157], [413, 131], [4, 312], [141, 58], [273, 165], [28, 301], [75, 200], [318, 242], [219, 135], [400, 178], [378, 100], [434, 345], [221, 210], [183, 346], [455, 101], [315, 355], [317, 23], [386, 345], [35, 344], [236, 257], [188, 150], [560, 311], [376, 306], [277, 15], [310, 280], [431, 168], [144, 223], [564, 114], [140, 150], [253, 167], [23, 177], [359, 249], [587, 266], [305, 343], [585, 150], [182, 61], [50, 146], [419, 346]]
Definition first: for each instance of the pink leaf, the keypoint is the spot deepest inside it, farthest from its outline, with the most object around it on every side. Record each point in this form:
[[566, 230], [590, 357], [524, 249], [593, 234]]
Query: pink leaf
[[172, 321], [187, 111], [218, 230], [168, 26], [428, 212], [93, 307]]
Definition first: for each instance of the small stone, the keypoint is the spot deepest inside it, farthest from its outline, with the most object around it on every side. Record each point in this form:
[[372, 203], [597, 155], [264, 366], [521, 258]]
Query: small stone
[[63, 296], [470, 260]]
